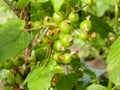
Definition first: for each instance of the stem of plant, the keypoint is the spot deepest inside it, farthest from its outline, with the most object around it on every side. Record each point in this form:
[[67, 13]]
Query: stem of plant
[[10, 5], [109, 85], [39, 27], [15, 10], [82, 7], [114, 88], [45, 32], [66, 69], [76, 32], [116, 19], [49, 55]]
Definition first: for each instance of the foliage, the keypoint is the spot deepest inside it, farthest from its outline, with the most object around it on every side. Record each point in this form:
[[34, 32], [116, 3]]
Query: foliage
[[112, 2], [63, 81], [43, 75], [43, 34], [96, 87], [113, 59], [6, 13], [13, 39], [113, 62]]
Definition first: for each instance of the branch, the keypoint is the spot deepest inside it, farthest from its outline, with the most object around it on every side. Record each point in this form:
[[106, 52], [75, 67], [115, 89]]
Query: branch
[[10, 4], [16, 10], [26, 17], [42, 26]]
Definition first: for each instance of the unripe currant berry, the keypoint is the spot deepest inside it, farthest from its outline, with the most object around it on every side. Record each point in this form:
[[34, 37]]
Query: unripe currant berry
[[85, 25], [65, 27], [73, 16]]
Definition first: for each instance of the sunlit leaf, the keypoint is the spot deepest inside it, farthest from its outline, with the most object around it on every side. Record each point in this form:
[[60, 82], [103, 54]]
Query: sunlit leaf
[[40, 77], [22, 3], [57, 4], [113, 62], [113, 58], [96, 87], [13, 39], [97, 8], [114, 76], [110, 2], [42, 1], [86, 1]]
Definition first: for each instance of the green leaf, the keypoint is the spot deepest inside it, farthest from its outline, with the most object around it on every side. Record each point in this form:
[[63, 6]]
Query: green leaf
[[67, 82], [89, 72], [39, 1], [8, 87], [113, 62], [39, 11], [110, 2], [4, 74], [98, 25], [57, 4], [86, 1], [113, 58], [18, 79], [40, 77], [22, 3], [96, 87], [114, 76], [42, 1], [97, 8], [73, 2], [13, 39]]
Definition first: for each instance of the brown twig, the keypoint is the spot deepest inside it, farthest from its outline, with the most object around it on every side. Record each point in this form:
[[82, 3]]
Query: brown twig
[[26, 17], [17, 11]]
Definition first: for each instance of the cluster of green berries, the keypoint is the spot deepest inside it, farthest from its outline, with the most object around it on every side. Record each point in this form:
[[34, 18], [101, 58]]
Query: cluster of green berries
[[61, 35], [13, 78]]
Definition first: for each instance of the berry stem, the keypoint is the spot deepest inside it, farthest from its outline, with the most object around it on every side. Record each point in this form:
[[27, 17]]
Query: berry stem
[[45, 63], [44, 32], [76, 32], [66, 69], [36, 28], [82, 8]]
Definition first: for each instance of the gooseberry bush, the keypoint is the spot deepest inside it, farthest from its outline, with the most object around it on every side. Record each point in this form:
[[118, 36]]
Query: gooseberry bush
[[35, 47]]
